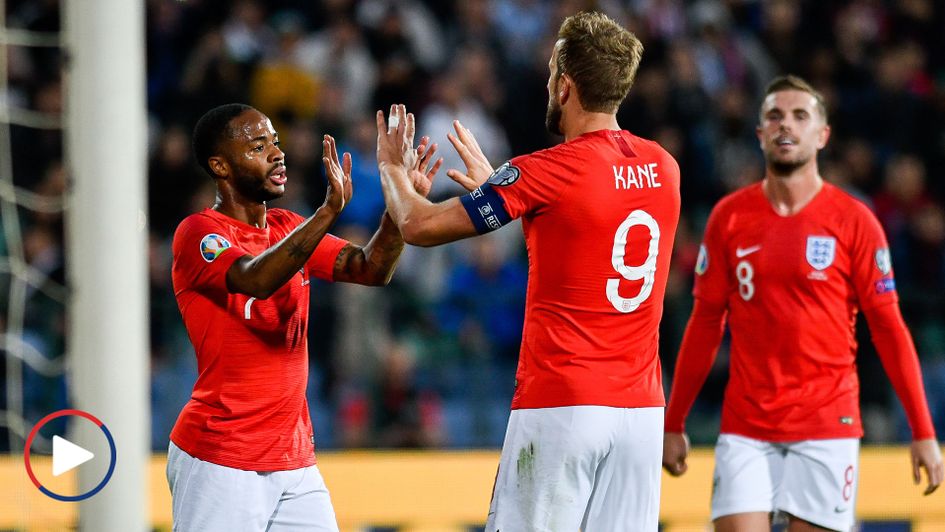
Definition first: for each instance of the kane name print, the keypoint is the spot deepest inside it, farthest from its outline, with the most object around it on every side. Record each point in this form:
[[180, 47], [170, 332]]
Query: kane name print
[[636, 176]]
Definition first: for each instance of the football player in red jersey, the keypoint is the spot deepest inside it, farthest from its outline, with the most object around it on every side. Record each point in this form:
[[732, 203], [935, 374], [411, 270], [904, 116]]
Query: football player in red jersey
[[599, 213], [790, 261], [242, 453]]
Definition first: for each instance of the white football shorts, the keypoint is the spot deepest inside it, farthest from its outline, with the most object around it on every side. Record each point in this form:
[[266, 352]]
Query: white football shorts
[[210, 498], [813, 480], [579, 467]]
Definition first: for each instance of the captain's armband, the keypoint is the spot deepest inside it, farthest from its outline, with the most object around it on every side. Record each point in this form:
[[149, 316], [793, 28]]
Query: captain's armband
[[486, 209]]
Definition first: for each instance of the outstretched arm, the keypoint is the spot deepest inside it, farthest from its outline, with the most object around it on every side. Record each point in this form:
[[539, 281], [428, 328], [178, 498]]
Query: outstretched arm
[[262, 275], [420, 221], [696, 355], [374, 263], [897, 353]]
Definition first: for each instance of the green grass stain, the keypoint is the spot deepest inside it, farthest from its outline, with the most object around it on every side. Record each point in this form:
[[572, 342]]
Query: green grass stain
[[526, 461]]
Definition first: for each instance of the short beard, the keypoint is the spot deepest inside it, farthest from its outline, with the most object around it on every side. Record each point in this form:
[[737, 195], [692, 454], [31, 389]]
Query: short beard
[[785, 168], [253, 189], [553, 118]]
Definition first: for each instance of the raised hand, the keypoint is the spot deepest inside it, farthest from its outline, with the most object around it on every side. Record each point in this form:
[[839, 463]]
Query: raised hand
[[927, 455], [339, 176], [422, 174], [395, 138], [675, 451], [478, 168]]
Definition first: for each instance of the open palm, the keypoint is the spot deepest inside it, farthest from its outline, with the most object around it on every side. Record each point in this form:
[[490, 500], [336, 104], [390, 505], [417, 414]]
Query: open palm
[[339, 175]]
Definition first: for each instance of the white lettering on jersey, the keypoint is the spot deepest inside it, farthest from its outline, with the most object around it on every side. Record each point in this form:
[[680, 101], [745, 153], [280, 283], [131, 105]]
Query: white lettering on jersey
[[645, 271], [636, 176]]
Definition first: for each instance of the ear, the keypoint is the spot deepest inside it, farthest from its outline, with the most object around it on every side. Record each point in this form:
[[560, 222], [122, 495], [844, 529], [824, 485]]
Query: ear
[[758, 133], [219, 166], [565, 89], [824, 137]]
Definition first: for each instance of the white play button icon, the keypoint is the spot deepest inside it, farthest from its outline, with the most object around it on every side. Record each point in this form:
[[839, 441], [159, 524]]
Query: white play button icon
[[67, 456]]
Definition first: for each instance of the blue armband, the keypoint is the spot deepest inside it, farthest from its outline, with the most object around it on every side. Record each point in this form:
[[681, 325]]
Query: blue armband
[[486, 209]]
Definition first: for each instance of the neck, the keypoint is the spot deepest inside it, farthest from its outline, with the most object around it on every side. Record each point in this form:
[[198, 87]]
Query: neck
[[790, 193], [581, 122], [248, 212]]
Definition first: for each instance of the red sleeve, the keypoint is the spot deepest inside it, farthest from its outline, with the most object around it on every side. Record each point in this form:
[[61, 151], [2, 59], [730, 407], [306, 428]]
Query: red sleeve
[[696, 355], [897, 353], [321, 264], [870, 265], [714, 281], [203, 252], [533, 182]]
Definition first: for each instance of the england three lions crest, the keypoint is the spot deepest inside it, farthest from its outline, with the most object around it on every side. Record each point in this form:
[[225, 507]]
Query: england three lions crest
[[821, 250]]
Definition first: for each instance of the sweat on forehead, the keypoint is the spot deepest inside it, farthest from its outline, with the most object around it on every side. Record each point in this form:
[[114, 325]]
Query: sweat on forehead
[[246, 123]]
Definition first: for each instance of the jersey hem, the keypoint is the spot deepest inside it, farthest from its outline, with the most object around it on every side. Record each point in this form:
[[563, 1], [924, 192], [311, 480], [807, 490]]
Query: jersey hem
[[532, 404], [785, 437], [260, 466]]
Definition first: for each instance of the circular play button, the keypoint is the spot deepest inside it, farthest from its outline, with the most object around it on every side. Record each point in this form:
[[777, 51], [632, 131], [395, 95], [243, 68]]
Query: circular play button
[[67, 456]]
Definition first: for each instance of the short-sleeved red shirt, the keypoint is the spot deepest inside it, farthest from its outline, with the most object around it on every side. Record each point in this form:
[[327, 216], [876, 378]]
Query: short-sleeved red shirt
[[599, 215], [248, 408], [792, 286]]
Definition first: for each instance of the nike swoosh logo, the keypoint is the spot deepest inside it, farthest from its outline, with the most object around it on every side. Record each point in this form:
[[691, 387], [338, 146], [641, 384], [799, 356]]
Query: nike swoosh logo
[[839, 510], [744, 252]]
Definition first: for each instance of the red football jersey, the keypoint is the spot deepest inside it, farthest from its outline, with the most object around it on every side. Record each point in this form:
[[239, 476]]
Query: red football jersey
[[248, 408], [599, 215], [792, 286]]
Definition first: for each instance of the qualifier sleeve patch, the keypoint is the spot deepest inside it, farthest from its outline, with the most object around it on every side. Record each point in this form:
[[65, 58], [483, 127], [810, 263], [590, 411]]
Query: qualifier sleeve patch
[[212, 245], [486, 209]]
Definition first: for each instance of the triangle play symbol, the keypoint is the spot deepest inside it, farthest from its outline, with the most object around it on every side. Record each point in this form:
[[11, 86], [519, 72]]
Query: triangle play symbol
[[67, 456]]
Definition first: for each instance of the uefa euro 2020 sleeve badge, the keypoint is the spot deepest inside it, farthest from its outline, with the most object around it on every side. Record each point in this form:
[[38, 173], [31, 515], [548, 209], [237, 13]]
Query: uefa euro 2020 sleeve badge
[[212, 245]]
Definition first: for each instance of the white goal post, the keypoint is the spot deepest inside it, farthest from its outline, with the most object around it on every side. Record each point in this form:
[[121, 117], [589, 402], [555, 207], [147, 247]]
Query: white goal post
[[107, 245]]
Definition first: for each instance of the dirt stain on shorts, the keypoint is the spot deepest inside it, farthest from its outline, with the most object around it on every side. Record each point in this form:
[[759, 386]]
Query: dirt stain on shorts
[[526, 461]]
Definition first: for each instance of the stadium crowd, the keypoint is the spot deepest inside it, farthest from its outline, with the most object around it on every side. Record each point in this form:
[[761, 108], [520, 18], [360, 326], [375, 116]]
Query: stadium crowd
[[429, 360]]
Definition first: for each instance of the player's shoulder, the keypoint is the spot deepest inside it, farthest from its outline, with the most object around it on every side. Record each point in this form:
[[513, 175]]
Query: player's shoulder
[[203, 231], [576, 151], [558, 153], [847, 202], [561, 161], [740, 199], [197, 222], [646, 146], [848, 213]]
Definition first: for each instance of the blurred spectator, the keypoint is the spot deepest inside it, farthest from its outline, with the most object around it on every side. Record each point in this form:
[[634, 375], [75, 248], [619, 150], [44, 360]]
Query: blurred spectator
[[523, 25], [246, 36], [280, 87], [409, 25], [211, 76], [903, 194], [172, 174], [404, 414], [368, 205], [473, 28], [484, 298], [339, 56], [453, 99], [725, 56]]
